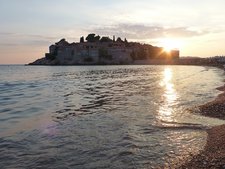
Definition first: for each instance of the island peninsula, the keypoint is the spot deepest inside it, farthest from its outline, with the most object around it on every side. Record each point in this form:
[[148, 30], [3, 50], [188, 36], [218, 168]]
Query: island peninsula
[[96, 50]]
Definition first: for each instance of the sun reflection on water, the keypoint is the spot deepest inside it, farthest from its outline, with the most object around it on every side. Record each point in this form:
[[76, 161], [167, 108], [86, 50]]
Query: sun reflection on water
[[169, 96]]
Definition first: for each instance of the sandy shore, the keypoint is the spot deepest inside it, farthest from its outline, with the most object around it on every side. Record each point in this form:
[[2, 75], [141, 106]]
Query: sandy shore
[[213, 155]]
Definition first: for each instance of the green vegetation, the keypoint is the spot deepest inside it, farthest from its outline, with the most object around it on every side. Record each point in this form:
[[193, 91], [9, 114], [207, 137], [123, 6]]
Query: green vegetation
[[105, 39], [82, 39], [92, 38], [119, 40]]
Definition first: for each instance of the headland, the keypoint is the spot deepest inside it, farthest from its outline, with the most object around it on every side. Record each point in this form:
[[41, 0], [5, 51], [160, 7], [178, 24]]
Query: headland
[[96, 50]]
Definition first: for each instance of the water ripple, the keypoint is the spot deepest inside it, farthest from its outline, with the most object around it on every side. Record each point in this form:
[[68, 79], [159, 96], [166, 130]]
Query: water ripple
[[101, 116]]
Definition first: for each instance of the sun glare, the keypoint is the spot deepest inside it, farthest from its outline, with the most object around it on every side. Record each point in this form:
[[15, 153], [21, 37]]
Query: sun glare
[[170, 44]]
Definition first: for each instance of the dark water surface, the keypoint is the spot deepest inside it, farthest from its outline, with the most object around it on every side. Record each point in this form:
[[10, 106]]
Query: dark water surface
[[103, 116]]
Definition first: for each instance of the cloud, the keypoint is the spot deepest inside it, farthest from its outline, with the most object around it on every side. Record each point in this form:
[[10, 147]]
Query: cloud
[[17, 39], [21, 35], [138, 31], [8, 44]]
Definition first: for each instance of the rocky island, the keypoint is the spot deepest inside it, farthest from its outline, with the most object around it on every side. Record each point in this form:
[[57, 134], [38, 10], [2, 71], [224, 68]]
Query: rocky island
[[96, 50]]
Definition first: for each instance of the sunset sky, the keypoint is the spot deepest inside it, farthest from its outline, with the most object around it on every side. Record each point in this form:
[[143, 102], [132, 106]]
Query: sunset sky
[[28, 27]]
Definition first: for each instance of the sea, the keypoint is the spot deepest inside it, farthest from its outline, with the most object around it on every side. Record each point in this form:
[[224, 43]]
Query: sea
[[114, 117]]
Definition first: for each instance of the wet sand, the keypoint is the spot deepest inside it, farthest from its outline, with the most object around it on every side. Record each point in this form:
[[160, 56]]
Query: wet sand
[[213, 155]]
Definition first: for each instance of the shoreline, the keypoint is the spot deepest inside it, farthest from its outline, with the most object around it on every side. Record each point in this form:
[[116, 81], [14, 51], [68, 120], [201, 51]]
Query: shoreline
[[213, 154], [177, 61]]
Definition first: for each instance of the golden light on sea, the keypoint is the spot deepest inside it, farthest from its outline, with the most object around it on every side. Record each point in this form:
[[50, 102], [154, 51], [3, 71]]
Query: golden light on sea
[[169, 96]]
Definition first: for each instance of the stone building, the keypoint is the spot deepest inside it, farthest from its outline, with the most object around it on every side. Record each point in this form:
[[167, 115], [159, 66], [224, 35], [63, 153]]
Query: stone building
[[80, 53], [105, 52]]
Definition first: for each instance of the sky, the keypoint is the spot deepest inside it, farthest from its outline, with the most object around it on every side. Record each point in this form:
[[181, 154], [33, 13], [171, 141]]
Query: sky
[[29, 27]]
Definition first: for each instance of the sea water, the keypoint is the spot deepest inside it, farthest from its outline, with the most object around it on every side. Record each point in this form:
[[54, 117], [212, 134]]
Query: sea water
[[103, 116]]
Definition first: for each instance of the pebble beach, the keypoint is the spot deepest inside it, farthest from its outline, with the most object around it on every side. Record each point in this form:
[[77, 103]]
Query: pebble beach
[[213, 155]]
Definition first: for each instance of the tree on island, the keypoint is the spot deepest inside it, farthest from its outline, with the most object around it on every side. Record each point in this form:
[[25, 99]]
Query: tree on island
[[62, 42], [126, 42], [97, 38], [105, 39], [82, 39], [92, 38], [119, 40]]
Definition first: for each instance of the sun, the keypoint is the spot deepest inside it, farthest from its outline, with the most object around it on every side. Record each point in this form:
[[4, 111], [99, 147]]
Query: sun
[[170, 44]]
